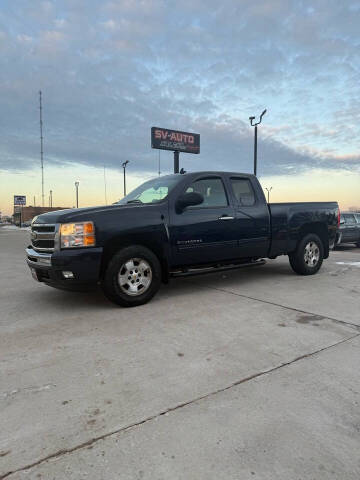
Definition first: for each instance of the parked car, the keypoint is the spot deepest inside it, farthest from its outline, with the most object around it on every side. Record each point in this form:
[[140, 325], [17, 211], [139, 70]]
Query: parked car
[[349, 229], [175, 225]]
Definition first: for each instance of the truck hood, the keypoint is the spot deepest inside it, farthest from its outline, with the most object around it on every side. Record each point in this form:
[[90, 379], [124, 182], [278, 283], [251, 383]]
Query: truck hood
[[78, 214]]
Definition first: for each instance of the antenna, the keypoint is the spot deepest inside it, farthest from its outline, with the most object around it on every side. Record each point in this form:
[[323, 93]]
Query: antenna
[[41, 151]]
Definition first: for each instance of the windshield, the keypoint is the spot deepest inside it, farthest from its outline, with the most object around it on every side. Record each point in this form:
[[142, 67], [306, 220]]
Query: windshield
[[152, 191]]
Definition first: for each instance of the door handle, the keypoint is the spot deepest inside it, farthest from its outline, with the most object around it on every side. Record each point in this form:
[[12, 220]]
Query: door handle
[[226, 217]]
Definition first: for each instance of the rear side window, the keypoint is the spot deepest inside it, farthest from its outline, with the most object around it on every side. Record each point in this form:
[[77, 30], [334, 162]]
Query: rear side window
[[212, 190], [243, 191], [349, 218], [357, 216]]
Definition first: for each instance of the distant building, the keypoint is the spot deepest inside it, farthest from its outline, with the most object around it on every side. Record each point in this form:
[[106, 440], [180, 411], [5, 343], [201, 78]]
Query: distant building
[[28, 213]]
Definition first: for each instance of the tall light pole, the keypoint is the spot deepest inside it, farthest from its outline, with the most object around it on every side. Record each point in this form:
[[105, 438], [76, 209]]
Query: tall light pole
[[124, 167], [255, 138], [77, 194], [41, 151], [268, 192], [50, 199]]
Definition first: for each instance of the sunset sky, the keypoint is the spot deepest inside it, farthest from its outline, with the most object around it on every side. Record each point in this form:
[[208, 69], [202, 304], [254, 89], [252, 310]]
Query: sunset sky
[[111, 70]]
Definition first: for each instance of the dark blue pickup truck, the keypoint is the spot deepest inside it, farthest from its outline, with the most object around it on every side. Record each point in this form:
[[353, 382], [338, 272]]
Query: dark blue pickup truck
[[177, 225]]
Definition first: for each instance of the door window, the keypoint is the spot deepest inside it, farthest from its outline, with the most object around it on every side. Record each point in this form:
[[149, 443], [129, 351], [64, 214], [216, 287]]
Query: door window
[[349, 219], [357, 216], [212, 189], [243, 191]]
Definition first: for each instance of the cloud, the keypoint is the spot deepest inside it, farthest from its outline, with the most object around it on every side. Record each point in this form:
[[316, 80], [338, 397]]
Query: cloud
[[111, 70]]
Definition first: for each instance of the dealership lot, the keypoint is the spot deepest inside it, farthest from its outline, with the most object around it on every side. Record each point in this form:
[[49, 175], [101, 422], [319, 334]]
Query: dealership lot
[[252, 373]]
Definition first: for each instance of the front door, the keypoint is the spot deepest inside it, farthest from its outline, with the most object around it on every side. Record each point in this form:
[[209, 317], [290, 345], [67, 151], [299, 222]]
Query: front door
[[204, 233], [350, 231]]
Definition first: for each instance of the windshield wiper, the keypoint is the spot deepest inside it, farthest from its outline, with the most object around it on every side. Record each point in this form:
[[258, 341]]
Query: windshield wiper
[[136, 200]]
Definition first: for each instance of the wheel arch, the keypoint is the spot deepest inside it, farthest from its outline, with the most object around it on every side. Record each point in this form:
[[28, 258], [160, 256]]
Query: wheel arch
[[320, 230], [143, 240]]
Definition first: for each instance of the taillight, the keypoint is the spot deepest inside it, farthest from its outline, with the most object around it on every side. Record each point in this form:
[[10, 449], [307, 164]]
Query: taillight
[[338, 217]]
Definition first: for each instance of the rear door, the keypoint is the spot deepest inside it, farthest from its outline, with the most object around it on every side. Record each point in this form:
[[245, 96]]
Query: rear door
[[252, 217], [204, 233]]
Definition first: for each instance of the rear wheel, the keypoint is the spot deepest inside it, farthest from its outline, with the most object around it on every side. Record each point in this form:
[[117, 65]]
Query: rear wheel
[[132, 277], [308, 256]]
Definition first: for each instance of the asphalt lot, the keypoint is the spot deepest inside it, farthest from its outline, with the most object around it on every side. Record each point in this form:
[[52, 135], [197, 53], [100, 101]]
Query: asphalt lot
[[249, 374]]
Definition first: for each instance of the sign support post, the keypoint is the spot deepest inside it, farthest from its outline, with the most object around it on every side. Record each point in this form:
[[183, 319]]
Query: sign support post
[[176, 161], [19, 202], [176, 141]]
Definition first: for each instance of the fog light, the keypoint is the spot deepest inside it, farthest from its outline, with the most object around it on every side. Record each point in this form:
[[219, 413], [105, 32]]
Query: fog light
[[44, 261], [68, 274]]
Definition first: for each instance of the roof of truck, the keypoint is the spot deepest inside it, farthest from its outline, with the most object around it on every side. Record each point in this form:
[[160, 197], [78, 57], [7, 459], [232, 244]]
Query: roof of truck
[[212, 172]]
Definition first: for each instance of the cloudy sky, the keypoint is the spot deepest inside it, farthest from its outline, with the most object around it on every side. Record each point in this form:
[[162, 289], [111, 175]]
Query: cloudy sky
[[109, 70]]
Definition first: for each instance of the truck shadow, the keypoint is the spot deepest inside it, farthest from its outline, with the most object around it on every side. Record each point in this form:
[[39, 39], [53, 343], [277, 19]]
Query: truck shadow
[[347, 247], [272, 272], [177, 287], [68, 300]]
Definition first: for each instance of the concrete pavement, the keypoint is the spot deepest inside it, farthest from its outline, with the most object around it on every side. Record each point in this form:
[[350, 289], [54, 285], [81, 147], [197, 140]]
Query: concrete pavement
[[244, 374]]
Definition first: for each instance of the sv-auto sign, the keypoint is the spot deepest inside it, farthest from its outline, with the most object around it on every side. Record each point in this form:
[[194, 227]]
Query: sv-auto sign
[[166, 139]]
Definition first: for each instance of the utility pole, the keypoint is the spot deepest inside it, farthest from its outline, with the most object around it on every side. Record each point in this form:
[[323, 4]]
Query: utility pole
[[41, 150], [255, 138], [268, 192], [50, 202], [124, 167], [105, 186], [77, 194], [34, 201]]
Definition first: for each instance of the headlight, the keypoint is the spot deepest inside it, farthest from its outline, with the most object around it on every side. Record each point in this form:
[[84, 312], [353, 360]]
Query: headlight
[[80, 234]]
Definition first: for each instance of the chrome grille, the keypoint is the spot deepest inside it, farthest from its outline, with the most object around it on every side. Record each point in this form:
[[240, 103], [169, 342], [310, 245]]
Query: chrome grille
[[43, 237]]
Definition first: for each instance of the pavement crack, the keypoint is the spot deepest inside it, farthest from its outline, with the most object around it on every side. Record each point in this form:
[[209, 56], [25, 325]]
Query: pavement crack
[[268, 302], [90, 442]]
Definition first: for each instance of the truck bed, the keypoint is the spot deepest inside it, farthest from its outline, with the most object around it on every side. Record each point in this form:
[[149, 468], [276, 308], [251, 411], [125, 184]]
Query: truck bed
[[288, 219]]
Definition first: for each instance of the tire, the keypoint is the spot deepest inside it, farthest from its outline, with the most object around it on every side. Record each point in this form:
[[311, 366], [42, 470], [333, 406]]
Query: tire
[[132, 277], [308, 256]]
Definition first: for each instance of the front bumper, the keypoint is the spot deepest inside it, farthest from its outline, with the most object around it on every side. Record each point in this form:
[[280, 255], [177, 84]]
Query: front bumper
[[84, 263]]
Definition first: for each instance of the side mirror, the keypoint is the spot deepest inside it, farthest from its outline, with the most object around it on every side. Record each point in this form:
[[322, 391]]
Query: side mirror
[[188, 200], [342, 222]]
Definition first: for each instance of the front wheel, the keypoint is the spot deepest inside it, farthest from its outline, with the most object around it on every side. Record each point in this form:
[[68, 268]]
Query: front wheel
[[132, 277], [308, 256]]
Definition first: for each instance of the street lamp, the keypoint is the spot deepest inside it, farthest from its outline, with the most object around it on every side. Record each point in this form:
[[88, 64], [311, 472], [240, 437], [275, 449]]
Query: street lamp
[[77, 194], [268, 192], [255, 138], [50, 199], [124, 167]]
